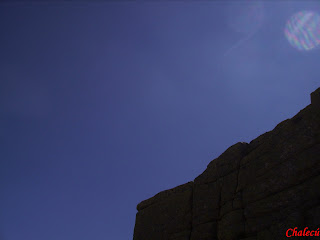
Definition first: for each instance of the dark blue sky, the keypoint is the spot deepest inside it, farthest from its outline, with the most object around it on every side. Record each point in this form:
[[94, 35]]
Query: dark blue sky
[[103, 105]]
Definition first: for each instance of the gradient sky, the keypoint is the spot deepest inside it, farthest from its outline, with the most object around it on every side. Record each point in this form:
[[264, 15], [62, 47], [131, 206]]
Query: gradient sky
[[103, 105]]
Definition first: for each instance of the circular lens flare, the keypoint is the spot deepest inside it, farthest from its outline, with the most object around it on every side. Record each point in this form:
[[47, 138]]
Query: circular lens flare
[[303, 30]]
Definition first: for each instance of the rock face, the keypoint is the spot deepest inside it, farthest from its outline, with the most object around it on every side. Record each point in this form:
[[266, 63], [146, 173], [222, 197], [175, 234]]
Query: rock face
[[254, 191], [315, 98]]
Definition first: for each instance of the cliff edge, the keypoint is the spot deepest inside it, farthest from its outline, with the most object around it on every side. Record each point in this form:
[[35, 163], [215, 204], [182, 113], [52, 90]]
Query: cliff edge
[[253, 191]]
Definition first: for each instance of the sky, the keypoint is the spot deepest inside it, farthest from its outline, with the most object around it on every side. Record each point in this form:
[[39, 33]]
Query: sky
[[105, 104]]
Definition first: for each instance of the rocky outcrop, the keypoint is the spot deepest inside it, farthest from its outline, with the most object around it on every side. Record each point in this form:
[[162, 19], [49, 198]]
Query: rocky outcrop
[[315, 98], [253, 191], [168, 215]]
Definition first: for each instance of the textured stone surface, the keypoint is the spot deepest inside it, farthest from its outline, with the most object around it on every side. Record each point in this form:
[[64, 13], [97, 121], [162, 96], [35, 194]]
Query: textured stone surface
[[167, 215], [252, 191], [315, 98]]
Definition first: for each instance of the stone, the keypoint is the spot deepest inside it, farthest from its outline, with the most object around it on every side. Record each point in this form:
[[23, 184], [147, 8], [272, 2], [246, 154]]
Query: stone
[[315, 98], [252, 191], [166, 216], [231, 226], [204, 231]]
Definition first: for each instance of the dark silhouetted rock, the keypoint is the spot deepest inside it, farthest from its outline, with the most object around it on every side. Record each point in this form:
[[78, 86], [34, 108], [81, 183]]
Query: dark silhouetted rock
[[167, 215], [252, 191], [315, 98]]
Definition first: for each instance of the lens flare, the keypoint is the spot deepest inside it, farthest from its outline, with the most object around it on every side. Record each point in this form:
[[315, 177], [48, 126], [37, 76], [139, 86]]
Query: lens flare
[[245, 17], [303, 30]]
